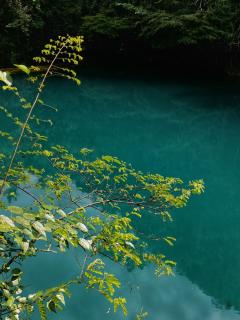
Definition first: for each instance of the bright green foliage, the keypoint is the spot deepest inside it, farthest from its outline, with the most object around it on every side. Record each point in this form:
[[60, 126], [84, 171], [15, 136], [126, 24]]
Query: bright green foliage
[[6, 78], [23, 68], [73, 201], [64, 50]]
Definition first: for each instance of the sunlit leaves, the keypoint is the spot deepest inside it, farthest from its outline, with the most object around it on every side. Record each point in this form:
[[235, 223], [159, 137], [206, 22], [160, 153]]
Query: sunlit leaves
[[79, 201], [85, 151], [39, 228], [6, 78], [197, 186], [85, 244], [15, 209], [23, 68], [63, 51], [6, 224], [82, 227], [120, 302], [169, 240], [163, 265], [106, 283]]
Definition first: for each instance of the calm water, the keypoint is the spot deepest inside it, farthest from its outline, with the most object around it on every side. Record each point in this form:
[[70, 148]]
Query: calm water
[[190, 130]]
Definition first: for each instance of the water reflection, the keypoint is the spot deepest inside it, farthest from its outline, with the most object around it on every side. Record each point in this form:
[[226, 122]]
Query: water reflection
[[179, 298], [182, 129], [164, 298]]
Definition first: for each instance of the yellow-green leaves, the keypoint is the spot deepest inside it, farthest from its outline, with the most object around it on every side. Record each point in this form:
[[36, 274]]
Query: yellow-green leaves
[[6, 78], [25, 246], [39, 228], [96, 216], [61, 298], [65, 50], [15, 209], [120, 302], [170, 240], [81, 226], [130, 244], [23, 68], [6, 224], [85, 151], [197, 186], [163, 266], [85, 244], [106, 283], [61, 213]]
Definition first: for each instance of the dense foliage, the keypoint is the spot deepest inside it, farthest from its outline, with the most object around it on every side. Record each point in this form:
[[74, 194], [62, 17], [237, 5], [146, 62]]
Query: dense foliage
[[78, 201], [139, 28]]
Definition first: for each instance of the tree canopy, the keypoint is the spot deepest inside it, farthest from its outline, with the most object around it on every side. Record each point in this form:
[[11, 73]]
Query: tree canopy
[[120, 27]]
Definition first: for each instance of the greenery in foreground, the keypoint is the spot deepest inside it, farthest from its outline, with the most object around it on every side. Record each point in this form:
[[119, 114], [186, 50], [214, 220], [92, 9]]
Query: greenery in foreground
[[72, 201], [121, 26]]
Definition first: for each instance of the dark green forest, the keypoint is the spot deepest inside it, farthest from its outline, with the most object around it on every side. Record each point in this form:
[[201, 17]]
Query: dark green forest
[[170, 34]]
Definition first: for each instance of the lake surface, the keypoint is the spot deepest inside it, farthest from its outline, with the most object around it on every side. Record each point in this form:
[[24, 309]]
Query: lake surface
[[177, 128]]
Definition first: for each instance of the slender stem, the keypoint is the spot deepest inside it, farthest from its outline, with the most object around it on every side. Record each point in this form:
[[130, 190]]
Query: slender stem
[[30, 195], [27, 120], [83, 266]]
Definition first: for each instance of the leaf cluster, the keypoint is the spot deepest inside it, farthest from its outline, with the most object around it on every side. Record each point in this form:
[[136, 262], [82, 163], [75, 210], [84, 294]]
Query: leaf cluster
[[77, 201]]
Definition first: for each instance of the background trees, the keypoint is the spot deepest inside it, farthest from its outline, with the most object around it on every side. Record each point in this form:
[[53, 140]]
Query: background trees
[[124, 28]]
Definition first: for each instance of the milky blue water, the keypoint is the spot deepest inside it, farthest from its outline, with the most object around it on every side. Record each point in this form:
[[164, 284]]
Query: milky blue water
[[189, 129]]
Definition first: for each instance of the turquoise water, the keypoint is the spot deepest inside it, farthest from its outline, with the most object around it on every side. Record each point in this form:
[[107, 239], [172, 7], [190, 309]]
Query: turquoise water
[[185, 129]]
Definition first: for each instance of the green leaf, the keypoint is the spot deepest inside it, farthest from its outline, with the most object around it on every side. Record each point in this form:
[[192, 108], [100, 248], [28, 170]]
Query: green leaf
[[4, 228], [60, 297], [23, 68], [42, 310], [51, 306], [85, 151], [169, 240], [10, 301], [6, 222], [120, 302], [39, 228], [130, 244], [6, 78], [85, 244], [14, 209], [82, 227]]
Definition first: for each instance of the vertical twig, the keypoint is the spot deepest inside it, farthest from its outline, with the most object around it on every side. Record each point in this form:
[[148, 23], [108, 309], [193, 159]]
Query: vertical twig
[[27, 120]]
